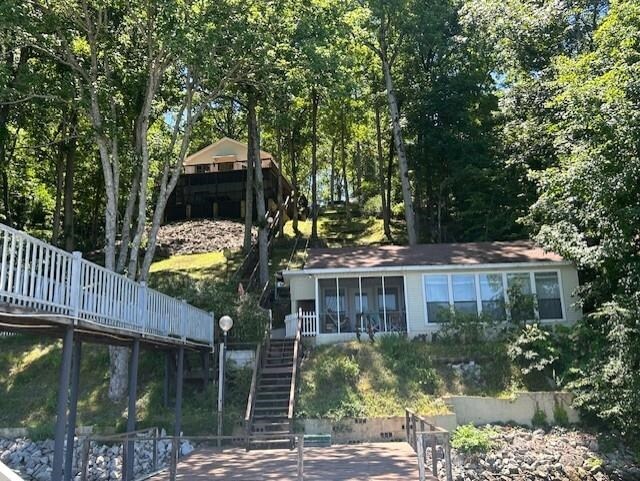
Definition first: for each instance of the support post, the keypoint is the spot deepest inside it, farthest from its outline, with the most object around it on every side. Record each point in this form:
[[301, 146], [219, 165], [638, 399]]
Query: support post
[[63, 398], [301, 457], [131, 411], [221, 367], [447, 457], [434, 454], [179, 378], [167, 374], [420, 454], [76, 291], [205, 371], [73, 410]]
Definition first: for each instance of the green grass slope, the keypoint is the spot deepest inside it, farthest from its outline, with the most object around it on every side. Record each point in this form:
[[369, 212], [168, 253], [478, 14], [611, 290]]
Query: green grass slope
[[28, 390]]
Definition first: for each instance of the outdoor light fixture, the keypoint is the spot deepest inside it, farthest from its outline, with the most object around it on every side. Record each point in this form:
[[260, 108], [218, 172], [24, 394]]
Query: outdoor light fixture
[[270, 220], [225, 323]]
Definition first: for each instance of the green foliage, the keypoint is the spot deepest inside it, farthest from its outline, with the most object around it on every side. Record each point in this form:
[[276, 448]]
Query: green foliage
[[534, 353], [365, 379], [222, 299], [470, 439], [464, 328], [539, 418], [560, 416]]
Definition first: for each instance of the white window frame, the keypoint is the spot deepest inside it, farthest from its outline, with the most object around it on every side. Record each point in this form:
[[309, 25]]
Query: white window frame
[[503, 274]]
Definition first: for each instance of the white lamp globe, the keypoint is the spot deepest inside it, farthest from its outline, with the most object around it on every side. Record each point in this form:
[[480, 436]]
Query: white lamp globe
[[225, 323]]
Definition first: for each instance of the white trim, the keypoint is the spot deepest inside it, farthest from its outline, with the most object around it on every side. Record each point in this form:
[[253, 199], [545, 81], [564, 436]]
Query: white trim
[[476, 279], [406, 304], [505, 295], [331, 272]]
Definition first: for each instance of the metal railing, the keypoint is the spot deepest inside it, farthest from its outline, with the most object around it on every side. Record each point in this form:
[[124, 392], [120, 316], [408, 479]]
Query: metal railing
[[38, 276], [425, 437]]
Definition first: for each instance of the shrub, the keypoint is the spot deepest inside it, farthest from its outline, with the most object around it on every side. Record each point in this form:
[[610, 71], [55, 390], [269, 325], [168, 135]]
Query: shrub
[[539, 418], [409, 360], [397, 210], [534, 353], [373, 206], [464, 328], [560, 416], [472, 440]]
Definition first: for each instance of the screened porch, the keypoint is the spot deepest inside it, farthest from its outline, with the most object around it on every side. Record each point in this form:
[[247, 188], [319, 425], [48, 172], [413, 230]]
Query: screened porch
[[365, 304]]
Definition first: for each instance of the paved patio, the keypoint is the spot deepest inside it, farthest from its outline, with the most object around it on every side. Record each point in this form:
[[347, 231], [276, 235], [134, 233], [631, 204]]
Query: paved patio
[[361, 462]]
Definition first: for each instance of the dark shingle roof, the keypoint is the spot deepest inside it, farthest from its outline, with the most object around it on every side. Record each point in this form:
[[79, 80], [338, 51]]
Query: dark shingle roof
[[428, 254]]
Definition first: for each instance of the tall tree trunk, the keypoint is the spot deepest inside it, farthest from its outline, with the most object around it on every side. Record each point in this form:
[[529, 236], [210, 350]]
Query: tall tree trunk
[[399, 143], [69, 174], [248, 204], [390, 175], [254, 158], [383, 196], [332, 182], [281, 210], [57, 210], [294, 179], [343, 159], [4, 164], [358, 159], [314, 164]]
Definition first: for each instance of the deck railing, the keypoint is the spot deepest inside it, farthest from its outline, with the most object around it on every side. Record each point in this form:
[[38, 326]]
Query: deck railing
[[40, 277], [423, 437], [308, 324]]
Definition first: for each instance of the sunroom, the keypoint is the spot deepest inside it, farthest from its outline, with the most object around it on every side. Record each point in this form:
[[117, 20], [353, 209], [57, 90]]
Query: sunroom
[[341, 294]]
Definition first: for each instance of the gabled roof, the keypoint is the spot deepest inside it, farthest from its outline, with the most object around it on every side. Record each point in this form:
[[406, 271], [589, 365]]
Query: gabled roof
[[240, 149], [464, 254]]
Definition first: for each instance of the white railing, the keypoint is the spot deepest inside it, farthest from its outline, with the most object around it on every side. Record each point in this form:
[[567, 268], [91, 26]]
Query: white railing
[[309, 324], [38, 276]]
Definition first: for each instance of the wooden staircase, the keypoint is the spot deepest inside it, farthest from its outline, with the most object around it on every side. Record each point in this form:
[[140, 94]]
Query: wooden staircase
[[269, 417]]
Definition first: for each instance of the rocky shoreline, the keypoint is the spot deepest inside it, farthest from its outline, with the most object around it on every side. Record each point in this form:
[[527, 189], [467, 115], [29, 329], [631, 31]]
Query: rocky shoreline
[[33, 460], [559, 454]]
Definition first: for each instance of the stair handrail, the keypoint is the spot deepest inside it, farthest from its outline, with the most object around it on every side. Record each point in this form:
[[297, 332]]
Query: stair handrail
[[294, 373], [262, 349]]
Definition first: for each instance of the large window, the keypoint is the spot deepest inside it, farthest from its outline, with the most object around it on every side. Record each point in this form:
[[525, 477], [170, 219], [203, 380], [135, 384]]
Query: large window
[[548, 294], [498, 296], [370, 304], [463, 288], [492, 296], [521, 299], [436, 290]]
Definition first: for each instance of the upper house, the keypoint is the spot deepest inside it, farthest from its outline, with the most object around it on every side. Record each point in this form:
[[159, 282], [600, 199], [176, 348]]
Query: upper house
[[213, 183], [415, 289]]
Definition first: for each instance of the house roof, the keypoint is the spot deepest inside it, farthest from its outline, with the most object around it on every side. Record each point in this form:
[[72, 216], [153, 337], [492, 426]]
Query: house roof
[[222, 148], [472, 253]]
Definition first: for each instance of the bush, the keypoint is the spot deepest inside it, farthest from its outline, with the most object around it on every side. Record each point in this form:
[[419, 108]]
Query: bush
[[463, 328], [397, 210], [534, 354], [409, 360], [539, 418], [373, 206], [472, 440]]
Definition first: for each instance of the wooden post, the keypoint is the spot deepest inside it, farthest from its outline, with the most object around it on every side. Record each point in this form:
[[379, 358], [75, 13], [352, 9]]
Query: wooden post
[[63, 397], [173, 462], [76, 290], [73, 409], [301, 457], [86, 445], [447, 457], [406, 425], [413, 428], [155, 449], [420, 454], [434, 452]]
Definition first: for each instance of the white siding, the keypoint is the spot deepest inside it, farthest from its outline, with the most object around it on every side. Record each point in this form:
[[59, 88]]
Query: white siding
[[304, 287]]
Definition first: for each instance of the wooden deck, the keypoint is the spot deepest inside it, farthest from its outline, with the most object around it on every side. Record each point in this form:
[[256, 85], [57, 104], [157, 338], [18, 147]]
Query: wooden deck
[[361, 462]]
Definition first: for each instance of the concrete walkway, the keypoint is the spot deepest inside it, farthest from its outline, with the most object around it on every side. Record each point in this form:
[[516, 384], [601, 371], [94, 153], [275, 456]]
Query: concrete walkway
[[361, 462]]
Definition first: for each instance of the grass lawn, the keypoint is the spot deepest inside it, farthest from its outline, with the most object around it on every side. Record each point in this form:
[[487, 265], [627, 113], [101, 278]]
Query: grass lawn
[[337, 231], [207, 265], [364, 379], [28, 391]]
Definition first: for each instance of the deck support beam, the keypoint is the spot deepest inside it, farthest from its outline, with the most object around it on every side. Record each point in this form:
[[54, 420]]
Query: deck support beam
[[73, 409], [63, 398], [179, 382], [205, 370], [131, 412]]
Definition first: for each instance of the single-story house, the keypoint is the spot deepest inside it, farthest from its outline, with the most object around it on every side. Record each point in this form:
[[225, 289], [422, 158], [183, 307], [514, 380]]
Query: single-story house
[[414, 289]]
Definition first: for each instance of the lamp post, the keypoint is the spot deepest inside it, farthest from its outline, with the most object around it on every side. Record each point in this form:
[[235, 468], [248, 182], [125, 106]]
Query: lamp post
[[225, 323]]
